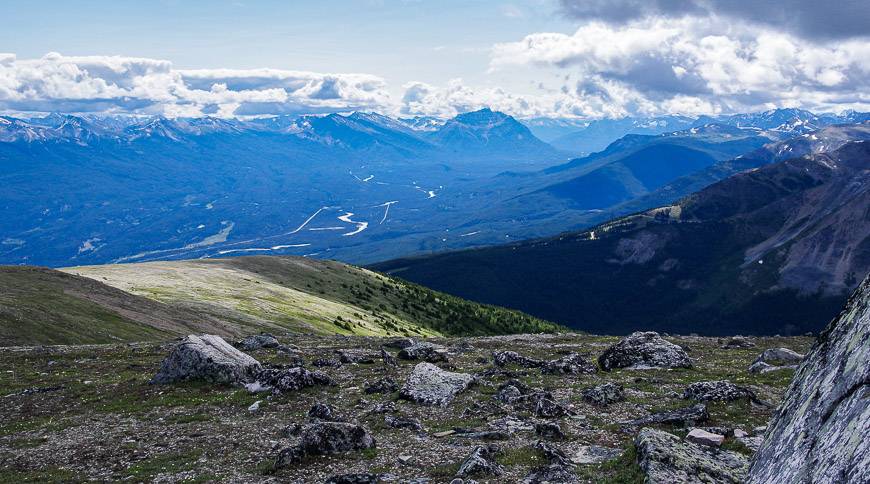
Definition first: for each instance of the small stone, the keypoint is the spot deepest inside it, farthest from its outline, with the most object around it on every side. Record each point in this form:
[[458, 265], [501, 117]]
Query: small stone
[[292, 379], [700, 436], [444, 433], [480, 463], [355, 357], [549, 430], [405, 459], [403, 423], [740, 433], [322, 411], [254, 406], [364, 478]]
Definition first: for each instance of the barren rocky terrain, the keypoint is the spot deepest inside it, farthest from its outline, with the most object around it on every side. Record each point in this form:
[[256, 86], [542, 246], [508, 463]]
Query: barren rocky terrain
[[73, 413]]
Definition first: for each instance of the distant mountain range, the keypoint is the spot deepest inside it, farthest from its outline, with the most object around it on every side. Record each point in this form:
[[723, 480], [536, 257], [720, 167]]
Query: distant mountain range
[[588, 137], [358, 187], [773, 249]]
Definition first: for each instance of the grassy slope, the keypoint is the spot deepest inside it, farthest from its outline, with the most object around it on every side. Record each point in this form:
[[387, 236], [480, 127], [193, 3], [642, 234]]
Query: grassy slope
[[45, 306], [293, 294]]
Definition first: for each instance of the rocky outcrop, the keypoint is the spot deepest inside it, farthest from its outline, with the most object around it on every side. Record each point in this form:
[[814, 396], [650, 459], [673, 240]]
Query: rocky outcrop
[[644, 350], [324, 438], [819, 433], [207, 358], [604, 394], [384, 385], [703, 437], [736, 342], [665, 459], [429, 385]]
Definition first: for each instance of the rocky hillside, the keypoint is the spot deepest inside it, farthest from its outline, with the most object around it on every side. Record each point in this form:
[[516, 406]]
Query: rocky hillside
[[772, 250], [232, 297], [312, 408]]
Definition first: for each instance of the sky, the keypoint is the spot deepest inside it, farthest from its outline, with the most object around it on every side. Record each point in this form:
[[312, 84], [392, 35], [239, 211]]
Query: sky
[[585, 59]]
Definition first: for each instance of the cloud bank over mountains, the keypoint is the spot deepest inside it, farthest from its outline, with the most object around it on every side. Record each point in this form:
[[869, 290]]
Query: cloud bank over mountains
[[626, 57]]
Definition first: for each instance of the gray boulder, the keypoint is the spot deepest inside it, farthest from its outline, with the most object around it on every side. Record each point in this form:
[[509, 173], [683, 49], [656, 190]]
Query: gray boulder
[[665, 459], [429, 385], [257, 341], [604, 394], [502, 358], [384, 385], [424, 351], [324, 438], [292, 379], [355, 356], [779, 357], [720, 390], [644, 350], [819, 433], [207, 358]]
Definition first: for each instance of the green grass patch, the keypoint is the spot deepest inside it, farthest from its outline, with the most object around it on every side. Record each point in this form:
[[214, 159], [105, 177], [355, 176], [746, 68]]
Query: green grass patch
[[164, 463]]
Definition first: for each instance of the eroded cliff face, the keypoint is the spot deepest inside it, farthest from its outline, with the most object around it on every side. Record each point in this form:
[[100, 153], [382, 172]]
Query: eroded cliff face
[[819, 434]]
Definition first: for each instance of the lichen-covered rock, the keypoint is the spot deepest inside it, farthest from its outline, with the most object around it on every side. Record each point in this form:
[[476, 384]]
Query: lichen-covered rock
[[665, 459], [570, 364], [429, 385], [819, 433], [502, 358], [480, 462], [400, 343], [324, 438], [604, 394], [546, 407], [207, 358], [292, 379], [388, 359], [780, 357], [424, 351], [644, 350], [688, 416], [720, 390]]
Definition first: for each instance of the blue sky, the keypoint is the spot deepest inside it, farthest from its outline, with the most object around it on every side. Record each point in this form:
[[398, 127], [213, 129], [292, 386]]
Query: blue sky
[[568, 58]]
